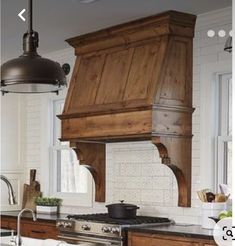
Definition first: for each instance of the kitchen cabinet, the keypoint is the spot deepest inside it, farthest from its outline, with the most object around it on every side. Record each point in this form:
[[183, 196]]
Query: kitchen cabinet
[[38, 229], [140, 239]]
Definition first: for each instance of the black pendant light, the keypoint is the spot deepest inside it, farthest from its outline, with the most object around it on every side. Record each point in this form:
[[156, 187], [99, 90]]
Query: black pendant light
[[30, 73]]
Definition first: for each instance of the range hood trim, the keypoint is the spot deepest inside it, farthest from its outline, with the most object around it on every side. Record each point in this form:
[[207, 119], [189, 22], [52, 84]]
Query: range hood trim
[[173, 22]]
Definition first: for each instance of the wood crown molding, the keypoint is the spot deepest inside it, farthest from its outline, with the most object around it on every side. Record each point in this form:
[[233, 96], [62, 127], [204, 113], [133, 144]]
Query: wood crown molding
[[167, 23]]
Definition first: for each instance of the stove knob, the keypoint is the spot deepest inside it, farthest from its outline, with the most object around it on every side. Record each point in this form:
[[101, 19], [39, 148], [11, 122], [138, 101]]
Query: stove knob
[[86, 227], [106, 229], [115, 230], [59, 224], [67, 225]]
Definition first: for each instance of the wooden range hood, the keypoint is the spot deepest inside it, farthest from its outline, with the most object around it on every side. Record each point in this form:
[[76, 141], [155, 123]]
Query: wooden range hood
[[133, 82]]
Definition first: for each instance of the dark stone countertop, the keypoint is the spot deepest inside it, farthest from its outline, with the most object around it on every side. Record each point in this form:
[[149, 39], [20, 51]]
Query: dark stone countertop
[[181, 230], [40, 217]]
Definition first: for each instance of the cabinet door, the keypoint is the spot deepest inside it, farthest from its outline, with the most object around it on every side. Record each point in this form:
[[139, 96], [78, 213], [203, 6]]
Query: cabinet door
[[8, 223], [4, 224], [140, 241], [39, 231]]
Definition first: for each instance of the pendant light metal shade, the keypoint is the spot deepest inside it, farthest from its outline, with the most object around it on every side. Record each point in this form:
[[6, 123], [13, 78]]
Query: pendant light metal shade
[[30, 73]]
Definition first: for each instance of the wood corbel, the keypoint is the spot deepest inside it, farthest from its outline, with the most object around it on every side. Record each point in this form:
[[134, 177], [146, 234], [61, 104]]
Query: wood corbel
[[92, 156], [175, 152]]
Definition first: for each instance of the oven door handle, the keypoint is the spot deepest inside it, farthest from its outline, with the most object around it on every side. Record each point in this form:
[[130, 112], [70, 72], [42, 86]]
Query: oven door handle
[[89, 240]]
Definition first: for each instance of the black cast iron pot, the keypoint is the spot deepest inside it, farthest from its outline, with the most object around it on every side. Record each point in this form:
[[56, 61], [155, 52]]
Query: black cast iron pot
[[122, 210]]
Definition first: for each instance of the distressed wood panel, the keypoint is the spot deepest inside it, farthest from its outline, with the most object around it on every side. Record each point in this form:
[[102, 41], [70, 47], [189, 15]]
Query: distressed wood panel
[[107, 125], [159, 239], [34, 229], [114, 77], [141, 71], [172, 122], [176, 80], [87, 82]]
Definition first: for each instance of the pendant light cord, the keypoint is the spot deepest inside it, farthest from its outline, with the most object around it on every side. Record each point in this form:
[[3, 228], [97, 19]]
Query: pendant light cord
[[30, 16], [30, 38]]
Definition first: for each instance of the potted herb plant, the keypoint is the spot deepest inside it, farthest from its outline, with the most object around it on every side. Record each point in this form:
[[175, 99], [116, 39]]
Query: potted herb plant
[[47, 205]]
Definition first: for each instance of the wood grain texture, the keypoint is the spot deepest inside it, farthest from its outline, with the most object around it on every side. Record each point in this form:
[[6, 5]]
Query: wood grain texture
[[119, 63], [175, 152], [140, 239], [175, 79], [167, 23], [37, 229], [107, 125], [168, 121], [92, 156], [140, 72], [133, 82], [31, 191]]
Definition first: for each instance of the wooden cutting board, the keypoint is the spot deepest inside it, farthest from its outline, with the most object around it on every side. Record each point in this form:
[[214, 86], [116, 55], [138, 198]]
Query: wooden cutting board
[[31, 191]]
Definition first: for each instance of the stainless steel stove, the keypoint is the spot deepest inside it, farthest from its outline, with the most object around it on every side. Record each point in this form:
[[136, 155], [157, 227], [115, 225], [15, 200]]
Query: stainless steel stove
[[100, 229]]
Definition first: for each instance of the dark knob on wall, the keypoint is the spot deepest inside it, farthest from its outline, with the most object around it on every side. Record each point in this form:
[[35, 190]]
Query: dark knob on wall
[[66, 68]]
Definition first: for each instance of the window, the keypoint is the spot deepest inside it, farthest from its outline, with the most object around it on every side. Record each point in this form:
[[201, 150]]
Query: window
[[69, 180], [214, 111], [224, 139]]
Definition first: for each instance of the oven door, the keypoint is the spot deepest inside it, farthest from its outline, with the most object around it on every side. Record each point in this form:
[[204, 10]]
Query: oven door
[[89, 241]]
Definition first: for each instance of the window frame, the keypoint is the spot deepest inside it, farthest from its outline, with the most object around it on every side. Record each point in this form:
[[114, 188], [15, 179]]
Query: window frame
[[209, 75], [69, 198], [221, 173], [223, 135]]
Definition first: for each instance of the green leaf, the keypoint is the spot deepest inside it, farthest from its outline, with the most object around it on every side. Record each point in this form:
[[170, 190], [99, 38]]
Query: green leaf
[[47, 201]]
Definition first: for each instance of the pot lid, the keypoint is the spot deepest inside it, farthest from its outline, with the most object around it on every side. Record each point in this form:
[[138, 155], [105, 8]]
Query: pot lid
[[122, 204]]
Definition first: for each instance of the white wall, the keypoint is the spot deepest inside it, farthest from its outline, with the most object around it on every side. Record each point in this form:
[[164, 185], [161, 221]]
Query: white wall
[[12, 147], [38, 134], [134, 172]]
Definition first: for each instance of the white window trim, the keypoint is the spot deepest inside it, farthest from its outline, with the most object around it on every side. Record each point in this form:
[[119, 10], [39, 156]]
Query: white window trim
[[221, 172], [48, 188], [208, 123], [74, 199], [223, 134]]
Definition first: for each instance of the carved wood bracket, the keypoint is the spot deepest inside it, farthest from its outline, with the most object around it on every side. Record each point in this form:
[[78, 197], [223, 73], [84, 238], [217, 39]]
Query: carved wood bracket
[[92, 156], [179, 150]]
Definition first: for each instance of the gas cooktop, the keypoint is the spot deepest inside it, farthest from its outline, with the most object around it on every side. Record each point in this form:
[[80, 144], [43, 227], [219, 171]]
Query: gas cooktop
[[97, 228], [104, 218]]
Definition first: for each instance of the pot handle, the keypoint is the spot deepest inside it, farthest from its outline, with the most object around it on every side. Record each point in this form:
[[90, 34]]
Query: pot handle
[[131, 208]]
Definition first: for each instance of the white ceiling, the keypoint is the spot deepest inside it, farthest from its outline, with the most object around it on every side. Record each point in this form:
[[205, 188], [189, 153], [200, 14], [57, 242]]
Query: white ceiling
[[57, 20]]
